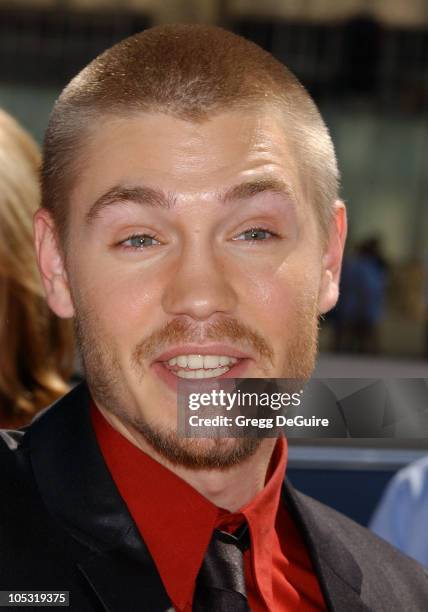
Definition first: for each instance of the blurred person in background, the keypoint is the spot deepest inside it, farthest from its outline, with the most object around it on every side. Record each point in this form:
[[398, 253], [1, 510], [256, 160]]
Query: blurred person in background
[[36, 357], [401, 516], [370, 287], [360, 309]]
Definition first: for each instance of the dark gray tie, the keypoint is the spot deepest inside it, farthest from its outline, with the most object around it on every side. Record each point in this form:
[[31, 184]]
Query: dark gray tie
[[220, 585]]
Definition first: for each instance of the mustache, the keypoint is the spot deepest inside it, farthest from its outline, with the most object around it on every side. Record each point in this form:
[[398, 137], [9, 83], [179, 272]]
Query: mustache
[[180, 330]]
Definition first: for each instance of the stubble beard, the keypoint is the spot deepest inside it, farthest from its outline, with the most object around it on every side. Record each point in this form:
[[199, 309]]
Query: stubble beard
[[103, 373]]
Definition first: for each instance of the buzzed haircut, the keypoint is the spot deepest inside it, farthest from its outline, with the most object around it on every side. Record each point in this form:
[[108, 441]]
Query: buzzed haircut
[[191, 72]]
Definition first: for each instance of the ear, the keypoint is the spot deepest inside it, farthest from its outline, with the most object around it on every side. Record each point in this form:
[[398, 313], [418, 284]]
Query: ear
[[332, 259], [51, 265]]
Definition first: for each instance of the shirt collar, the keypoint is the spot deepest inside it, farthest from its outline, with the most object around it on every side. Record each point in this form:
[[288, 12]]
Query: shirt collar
[[176, 521]]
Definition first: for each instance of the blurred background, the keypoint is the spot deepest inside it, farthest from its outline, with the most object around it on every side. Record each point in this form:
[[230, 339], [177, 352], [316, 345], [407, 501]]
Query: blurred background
[[365, 62]]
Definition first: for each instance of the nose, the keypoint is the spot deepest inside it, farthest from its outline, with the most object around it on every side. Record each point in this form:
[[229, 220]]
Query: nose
[[199, 286]]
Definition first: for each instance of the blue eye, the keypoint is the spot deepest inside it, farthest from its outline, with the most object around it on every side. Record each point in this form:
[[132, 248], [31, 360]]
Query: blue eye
[[139, 241], [255, 234]]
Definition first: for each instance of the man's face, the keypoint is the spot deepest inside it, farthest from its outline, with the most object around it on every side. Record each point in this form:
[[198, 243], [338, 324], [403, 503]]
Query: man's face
[[191, 254]]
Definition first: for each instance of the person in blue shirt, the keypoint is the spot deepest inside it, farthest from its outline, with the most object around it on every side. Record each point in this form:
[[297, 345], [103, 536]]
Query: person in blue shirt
[[401, 517]]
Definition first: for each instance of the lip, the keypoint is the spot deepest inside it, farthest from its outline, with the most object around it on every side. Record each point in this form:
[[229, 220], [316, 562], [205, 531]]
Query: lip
[[171, 380]]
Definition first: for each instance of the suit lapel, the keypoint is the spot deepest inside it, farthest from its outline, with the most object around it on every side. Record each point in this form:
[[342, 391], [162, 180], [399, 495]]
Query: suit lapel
[[122, 584], [339, 575], [79, 492]]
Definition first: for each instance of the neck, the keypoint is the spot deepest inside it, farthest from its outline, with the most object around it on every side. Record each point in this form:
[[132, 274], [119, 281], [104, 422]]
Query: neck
[[230, 488], [235, 487]]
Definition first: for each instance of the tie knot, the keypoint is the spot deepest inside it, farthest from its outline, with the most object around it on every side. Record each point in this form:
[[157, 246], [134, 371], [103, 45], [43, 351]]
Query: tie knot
[[221, 583], [239, 538]]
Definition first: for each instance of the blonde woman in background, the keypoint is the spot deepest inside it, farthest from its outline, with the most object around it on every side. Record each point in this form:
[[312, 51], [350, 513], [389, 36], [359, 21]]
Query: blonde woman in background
[[36, 348]]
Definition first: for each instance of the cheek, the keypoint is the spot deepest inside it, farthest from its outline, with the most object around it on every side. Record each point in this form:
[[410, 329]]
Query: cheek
[[276, 298], [126, 302]]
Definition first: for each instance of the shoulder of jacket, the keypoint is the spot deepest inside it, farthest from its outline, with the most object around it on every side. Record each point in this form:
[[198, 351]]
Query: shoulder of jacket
[[368, 549]]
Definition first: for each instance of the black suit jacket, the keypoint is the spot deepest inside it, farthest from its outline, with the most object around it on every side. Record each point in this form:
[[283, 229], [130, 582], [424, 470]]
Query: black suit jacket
[[64, 526]]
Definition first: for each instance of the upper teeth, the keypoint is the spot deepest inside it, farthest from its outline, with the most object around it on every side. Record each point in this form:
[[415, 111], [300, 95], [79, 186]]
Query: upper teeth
[[200, 362]]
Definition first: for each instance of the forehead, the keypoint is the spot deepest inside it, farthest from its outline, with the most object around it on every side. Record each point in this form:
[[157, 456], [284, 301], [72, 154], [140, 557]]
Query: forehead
[[184, 157]]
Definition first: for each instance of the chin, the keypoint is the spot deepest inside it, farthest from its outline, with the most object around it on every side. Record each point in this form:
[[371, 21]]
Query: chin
[[196, 453]]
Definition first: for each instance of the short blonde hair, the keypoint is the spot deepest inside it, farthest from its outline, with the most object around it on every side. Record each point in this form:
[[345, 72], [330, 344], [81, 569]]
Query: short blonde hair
[[37, 348], [191, 72]]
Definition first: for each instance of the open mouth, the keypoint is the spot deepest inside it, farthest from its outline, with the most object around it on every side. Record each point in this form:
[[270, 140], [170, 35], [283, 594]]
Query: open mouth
[[200, 366], [194, 366]]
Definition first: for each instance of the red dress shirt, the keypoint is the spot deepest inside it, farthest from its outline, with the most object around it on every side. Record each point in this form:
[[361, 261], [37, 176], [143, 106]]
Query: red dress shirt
[[176, 523]]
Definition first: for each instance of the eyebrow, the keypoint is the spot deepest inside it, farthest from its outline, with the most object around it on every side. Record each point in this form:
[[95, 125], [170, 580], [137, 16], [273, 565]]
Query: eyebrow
[[147, 196], [120, 194], [252, 188]]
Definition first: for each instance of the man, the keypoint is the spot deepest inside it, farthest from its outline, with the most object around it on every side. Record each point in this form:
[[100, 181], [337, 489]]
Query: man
[[191, 226]]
